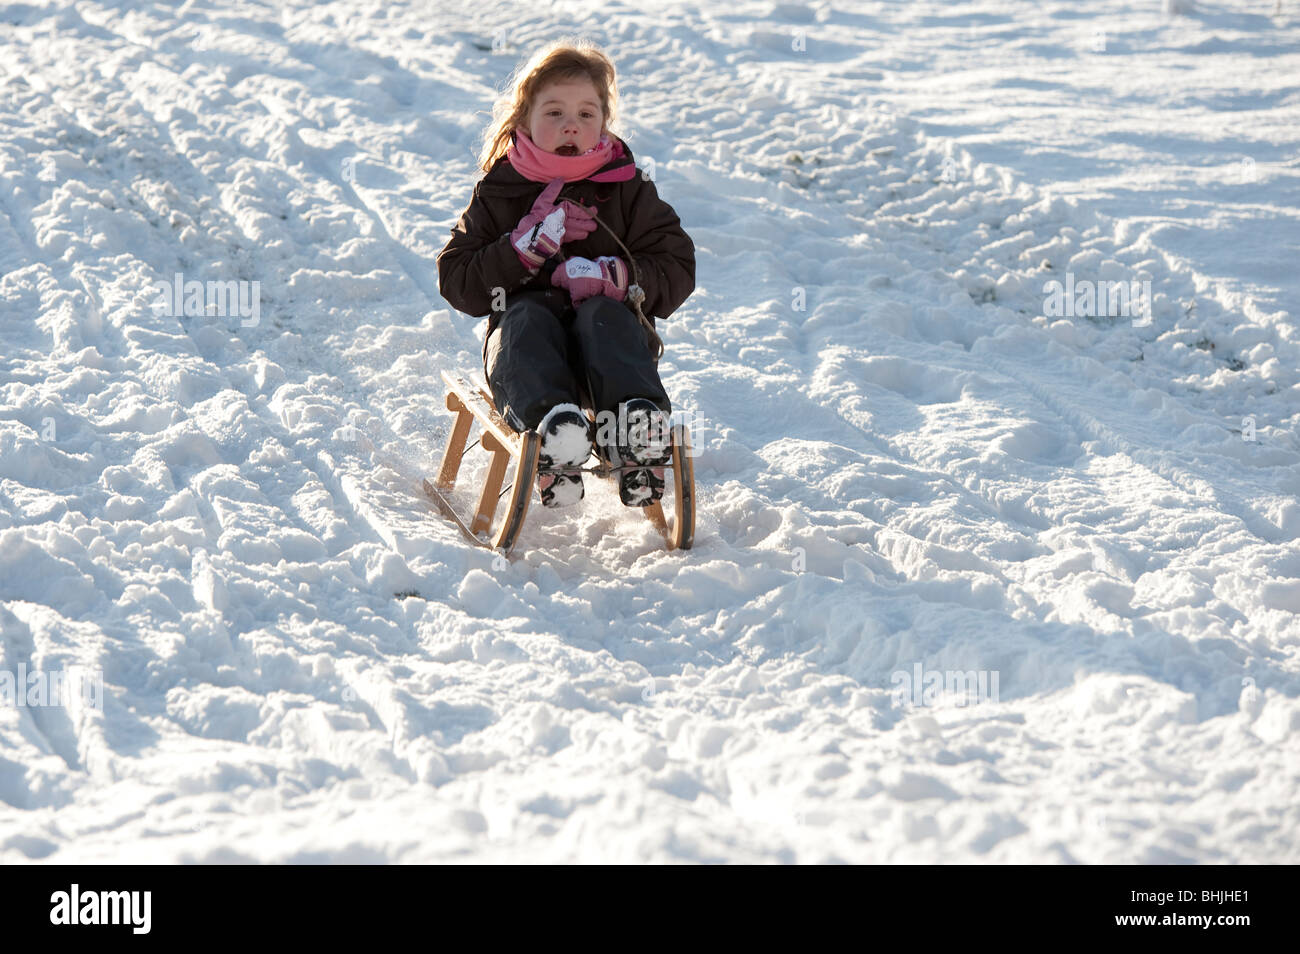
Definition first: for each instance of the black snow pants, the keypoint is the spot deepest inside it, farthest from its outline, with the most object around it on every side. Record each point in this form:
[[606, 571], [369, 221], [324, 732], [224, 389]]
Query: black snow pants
[[546, 352]]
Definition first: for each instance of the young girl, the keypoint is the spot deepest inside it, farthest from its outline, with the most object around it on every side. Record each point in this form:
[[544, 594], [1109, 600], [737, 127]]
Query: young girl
[[543, 248]]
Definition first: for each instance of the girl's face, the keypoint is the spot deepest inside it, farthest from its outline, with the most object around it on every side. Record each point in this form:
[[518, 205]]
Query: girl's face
[[566, 118]]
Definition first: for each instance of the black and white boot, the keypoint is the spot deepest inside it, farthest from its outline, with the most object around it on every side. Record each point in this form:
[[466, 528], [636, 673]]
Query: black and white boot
[[566, 443], [645, 437]]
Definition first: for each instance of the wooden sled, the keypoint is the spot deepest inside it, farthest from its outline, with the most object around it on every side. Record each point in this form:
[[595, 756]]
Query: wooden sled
[[517, 452]]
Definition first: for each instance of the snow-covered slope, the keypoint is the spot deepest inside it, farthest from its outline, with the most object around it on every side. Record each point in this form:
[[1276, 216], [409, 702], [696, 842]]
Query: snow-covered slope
[[906, 471]]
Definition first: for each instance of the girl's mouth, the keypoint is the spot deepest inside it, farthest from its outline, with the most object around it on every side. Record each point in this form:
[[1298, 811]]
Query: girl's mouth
[[568, 149]]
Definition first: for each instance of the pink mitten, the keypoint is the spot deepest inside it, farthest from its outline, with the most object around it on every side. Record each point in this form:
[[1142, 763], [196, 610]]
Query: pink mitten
[[549, 224], [584, 278]]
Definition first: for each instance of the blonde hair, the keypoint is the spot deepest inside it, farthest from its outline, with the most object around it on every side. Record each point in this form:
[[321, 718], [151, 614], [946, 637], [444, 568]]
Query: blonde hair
[[556, 62]]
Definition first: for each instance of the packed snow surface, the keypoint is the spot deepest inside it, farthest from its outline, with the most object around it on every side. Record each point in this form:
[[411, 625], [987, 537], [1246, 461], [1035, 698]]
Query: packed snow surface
[[914, 472]]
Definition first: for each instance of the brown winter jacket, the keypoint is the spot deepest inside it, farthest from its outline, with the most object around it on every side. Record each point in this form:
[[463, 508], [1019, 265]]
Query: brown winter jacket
[[479, 255]]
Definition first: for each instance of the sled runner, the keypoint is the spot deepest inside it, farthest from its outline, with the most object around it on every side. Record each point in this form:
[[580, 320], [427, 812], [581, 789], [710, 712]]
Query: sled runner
[[517, 452]]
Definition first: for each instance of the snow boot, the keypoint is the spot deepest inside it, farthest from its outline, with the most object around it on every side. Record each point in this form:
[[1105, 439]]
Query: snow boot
[[565, 443], [645, 438]]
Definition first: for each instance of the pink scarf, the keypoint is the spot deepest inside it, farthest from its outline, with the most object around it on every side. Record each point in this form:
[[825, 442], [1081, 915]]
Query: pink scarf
[[535, 163]]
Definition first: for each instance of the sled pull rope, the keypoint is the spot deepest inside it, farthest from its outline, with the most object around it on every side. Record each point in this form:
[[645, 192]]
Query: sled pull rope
[[635, 293]]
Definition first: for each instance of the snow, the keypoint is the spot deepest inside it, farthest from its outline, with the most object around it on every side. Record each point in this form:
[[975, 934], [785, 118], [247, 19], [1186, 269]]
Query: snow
[[903, 460]]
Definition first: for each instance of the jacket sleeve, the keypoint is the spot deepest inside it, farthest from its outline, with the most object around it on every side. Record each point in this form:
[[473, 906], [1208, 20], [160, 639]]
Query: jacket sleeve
[[478, 258], [664, 253]]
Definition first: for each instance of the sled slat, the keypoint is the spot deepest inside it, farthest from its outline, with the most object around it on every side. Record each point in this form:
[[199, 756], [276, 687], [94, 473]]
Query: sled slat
[[492, 422], [655, 514], [681, 533], [683, 490], [455, 443], [487, 501], [521, 492]]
